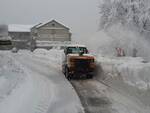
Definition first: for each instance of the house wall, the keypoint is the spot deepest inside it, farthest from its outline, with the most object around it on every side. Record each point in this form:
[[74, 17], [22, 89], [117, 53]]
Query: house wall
[[21, 40], [53, 35], [5, 44], [51, 32], [3, 30]]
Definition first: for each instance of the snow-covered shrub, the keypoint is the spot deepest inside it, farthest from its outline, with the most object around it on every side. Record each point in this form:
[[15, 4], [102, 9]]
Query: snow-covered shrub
[[40, 51], [14, 50]]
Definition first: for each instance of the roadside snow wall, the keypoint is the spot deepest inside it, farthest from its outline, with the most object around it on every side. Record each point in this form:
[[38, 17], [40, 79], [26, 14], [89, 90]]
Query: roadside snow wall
[[126, 74], [133, 71]]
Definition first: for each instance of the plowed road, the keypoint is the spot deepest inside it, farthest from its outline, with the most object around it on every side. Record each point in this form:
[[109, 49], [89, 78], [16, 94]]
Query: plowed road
[[97, 97]]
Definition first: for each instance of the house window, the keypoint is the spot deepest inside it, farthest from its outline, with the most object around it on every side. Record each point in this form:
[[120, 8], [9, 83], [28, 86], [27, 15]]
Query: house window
[[5, 42], [35, 34], [53, 25]]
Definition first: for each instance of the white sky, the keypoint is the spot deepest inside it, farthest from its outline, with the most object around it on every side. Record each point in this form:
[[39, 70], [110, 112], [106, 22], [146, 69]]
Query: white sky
[[81, 16]]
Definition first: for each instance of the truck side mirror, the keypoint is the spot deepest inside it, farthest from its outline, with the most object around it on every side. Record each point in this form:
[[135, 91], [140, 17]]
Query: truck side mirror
[[65, 52]]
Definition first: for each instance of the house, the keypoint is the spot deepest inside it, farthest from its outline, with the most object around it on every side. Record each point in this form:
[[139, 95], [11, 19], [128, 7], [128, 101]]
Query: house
[[20, 34], [43, 35], [48, 34]]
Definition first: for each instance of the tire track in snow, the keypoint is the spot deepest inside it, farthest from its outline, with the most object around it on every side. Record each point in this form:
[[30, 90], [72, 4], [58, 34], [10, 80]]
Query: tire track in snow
[[98, 97], [95, 101], [42, 86], [65, 97], [11, 75], [43, 104]]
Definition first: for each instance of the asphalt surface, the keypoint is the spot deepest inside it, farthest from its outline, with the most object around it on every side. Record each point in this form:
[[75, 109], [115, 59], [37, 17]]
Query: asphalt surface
[[93, 96]]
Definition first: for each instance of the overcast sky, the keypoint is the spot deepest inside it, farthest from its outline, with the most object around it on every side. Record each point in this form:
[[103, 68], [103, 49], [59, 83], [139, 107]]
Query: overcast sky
[[81, 16]]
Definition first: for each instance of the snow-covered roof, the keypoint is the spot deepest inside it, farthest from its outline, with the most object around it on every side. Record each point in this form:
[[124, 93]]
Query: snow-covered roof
[[44, 23], [19, 28]]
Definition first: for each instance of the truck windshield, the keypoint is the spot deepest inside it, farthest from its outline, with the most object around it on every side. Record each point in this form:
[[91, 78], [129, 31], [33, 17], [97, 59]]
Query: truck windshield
[[75, 50]]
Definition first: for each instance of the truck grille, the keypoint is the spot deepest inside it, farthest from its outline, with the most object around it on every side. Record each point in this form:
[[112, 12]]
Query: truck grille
[[82, 64]]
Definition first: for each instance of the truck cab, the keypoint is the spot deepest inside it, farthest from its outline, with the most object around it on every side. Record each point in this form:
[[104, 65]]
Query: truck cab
[[78, 62]]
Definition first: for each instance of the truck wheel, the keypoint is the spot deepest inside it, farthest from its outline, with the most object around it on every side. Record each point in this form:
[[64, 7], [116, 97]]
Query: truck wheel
[[67, 75]]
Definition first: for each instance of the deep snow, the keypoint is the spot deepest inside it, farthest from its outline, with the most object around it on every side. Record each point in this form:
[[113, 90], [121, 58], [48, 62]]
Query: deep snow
[[134, 71], [32, 83], [129, 88], [127, 75]]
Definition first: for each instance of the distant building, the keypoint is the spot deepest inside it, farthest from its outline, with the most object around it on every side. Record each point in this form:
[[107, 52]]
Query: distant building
[[20, 34], [47, 34], [43, 35]]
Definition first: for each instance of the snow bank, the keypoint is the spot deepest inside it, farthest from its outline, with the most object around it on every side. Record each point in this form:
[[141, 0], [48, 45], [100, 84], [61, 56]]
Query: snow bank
[[127, 75], [54, 55], [133, 71], [40, 51]]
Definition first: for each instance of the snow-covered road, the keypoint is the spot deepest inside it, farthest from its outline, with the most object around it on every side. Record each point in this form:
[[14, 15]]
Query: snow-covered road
[[93, 99], [98, 97], [33, 83], [39, 87]]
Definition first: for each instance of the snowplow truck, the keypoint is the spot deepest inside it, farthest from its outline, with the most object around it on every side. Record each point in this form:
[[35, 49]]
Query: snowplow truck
[[78, 62]]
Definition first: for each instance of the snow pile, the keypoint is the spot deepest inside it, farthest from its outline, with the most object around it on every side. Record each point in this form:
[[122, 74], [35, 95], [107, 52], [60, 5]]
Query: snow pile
[[54, 55], [133, 71], [136, 74], [41, 51], [127, 75]]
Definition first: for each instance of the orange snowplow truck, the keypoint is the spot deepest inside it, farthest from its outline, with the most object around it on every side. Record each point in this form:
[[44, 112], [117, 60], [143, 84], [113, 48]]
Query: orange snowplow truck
[[77, 62]]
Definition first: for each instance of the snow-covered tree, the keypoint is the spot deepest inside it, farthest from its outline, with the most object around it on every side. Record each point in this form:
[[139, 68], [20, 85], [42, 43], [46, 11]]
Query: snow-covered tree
[[134, 12]]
